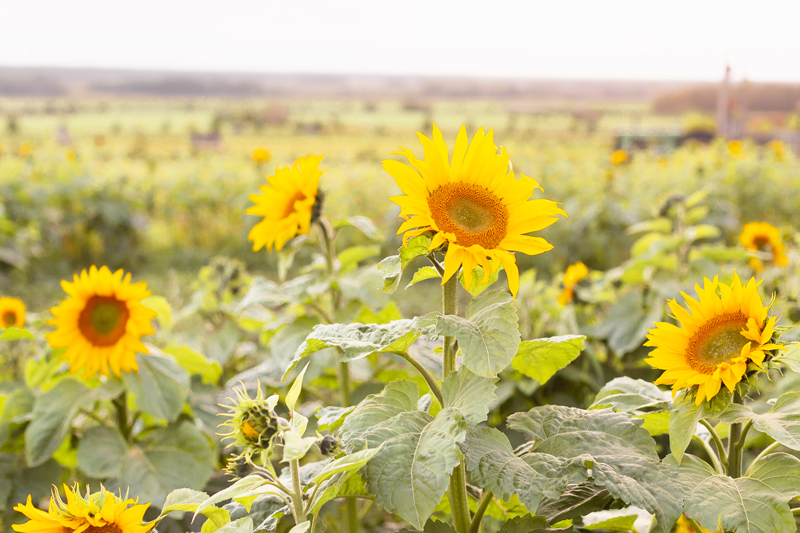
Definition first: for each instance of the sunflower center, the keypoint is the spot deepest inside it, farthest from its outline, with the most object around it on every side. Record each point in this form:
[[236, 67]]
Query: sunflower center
[[761, 241], [718, 341], [103, 320], [10, 318], [249, 430], [298, 197], [471, 213], [108, 528]]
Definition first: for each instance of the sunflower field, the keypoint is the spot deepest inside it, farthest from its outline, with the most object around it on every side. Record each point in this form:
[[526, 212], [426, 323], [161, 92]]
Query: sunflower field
[[322, 321]]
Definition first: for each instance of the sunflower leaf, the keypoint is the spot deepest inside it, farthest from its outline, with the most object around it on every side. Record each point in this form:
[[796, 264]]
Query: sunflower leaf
[[627, 394], [53, 412], [782, 422], [160, 386], [540, 359], [684, 417], [618, 452], [469, 393], [410, 473], [357, 340], [393, 266], [488, 335]]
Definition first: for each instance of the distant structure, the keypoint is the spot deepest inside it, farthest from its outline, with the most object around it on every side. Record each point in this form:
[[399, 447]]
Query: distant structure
[[731, 114], [207, 141]]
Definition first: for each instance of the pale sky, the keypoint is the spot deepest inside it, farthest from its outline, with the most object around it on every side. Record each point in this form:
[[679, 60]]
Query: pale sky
[[597, 39]]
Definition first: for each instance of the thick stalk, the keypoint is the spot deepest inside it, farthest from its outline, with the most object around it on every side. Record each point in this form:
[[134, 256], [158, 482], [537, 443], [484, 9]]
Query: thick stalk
[[477, 520], [459, 504], [297, 493], [352, 523], [121, 404], [735, 444]]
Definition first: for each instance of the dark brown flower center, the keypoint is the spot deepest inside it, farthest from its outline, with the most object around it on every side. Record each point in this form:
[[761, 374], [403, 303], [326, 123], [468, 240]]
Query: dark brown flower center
[[9, 318], [718, 341], [103, 320]]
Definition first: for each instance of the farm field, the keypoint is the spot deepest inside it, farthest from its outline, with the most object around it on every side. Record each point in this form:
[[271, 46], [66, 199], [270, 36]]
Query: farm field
[[439, 378]]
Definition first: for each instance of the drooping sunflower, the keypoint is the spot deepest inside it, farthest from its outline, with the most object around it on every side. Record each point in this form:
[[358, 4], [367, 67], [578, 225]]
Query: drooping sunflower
[[474, 204], [289, 204], [102, 322], [572, 276], [762, 236], [99, 512], [722, 331], [12, 313]]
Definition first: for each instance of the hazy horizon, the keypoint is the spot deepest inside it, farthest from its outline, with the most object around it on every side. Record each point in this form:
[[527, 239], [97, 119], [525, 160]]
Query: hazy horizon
[[618, 40]]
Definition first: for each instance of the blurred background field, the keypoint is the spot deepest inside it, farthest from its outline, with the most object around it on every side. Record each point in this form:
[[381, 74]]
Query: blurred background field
[[153, 174]]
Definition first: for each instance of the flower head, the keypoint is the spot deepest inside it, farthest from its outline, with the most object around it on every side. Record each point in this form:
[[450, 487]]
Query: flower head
[[289, 204], [102, 322], [261, 155], [251, 422], [473, 203], [736, 148], [99, 512], [762, 236], [572, 276], [722, 331], [619, 157], [25, 149], [12, 313]]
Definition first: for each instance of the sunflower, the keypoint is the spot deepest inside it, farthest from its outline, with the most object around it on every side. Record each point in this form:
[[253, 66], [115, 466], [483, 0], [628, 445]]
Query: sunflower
[[619, 157], [736, 148], [761, 236], [25, 149], [252, 423], [572, 276], [12, 313], [474, 204], [100, 512], [261, 155], [719, 333], [289, 204], [102, 322]]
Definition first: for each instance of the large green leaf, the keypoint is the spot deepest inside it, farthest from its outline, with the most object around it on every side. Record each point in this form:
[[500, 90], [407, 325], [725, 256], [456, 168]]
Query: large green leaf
[[488, 335], [627, 394], [53, 412], [411, 472], [780, 472], [357, 340], [14, 334], [187, 500], [344, 484], [159, 387], [351, 461], [492, 464], [469, 393], [747, 504], [99, 452], [540, 359], [619, 452], [175, 457], [782, 422], [577, 500]]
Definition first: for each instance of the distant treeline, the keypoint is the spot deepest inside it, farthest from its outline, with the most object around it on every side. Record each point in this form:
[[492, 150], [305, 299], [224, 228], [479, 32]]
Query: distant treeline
[[764, 97]]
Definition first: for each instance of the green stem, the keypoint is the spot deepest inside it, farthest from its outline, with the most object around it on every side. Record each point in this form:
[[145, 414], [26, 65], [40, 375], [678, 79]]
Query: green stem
[[352, 523], [297, 493], [695, 525], [477, 520], [713, 456], [459, 503], [121, 404], [717, 441], [429, 379], [734, 445], [768, 450]]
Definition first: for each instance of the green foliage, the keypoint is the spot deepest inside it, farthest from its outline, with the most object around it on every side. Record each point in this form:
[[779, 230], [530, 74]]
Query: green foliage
[[540, 359]]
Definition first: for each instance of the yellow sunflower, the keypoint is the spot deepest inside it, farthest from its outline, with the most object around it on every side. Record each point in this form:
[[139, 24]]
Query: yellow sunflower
[[474, 204], [719, 333], [619, 157], [102, 322], [100, 512], [762, 236], [261, 155], [572, 276], [289, 204], [12, 313]]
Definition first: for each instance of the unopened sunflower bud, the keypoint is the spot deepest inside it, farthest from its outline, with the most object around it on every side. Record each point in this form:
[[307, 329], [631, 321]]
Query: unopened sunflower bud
[[253, 424], [329, 445]]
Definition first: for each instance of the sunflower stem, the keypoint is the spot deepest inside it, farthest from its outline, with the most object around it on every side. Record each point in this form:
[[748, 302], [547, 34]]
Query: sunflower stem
[[121, 404], [768, 450], [477, 520], [735, 443], [694, 525], [717, 441], [297, 493], [459, 504], [352, 523]]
